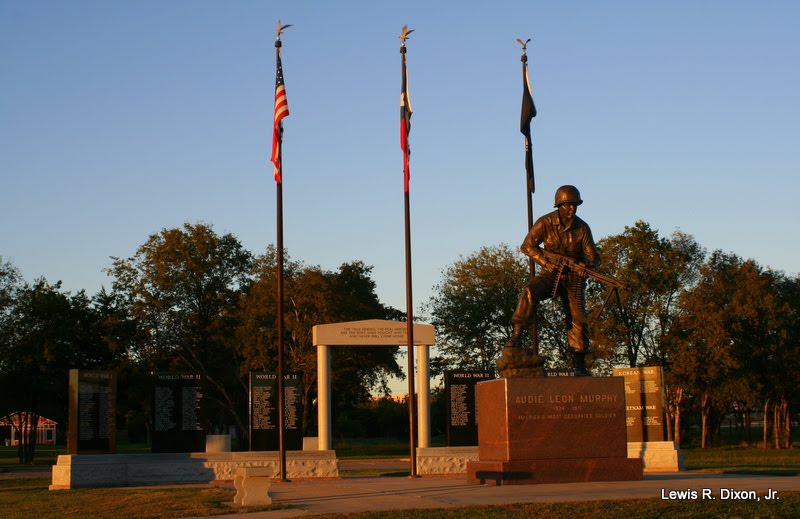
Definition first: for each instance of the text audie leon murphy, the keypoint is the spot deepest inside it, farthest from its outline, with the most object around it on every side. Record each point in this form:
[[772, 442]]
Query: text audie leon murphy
[[723, 494]]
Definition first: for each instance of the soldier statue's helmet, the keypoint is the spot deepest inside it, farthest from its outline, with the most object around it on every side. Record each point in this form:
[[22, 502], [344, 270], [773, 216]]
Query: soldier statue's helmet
[[567, 195]]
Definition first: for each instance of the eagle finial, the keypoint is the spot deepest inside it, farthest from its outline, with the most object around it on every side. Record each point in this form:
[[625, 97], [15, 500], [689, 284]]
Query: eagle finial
[[280, 30], [404, 33]]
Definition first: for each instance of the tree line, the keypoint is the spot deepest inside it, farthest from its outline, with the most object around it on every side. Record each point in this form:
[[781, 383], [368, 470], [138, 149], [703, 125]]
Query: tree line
[[187, 300], [724, 329]]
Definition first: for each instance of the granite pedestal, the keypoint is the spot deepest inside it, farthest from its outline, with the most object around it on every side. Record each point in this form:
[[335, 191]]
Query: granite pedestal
[[552, 430]]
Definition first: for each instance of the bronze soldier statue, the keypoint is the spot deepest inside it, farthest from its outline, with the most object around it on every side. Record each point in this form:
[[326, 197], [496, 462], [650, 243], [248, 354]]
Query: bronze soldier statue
[[568, 247]]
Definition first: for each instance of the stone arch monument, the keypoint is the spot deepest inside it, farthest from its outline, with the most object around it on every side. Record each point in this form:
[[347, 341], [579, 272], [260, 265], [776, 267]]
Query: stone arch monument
[[373, 332]]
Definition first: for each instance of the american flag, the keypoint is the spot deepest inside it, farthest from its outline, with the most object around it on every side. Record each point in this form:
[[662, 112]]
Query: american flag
[[405, 125], [281, 111]]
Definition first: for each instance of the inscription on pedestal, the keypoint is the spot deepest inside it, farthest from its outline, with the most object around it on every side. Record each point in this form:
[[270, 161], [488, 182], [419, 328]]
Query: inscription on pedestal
[[552, 430], [264, 411], [549, 418]]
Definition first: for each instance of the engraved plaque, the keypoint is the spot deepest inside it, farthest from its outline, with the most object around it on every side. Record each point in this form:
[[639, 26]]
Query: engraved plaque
[[92, 412], [462, 403], [178, 412], [264, 411], [547, 418], [644, 403]]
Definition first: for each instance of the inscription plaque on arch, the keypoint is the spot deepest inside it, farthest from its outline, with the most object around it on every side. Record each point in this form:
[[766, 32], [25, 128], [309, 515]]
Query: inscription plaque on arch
[[371, 332]]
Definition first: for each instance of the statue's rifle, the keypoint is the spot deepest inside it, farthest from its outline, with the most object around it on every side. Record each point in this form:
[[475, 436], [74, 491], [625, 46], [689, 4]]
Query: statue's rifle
[[561, 262]]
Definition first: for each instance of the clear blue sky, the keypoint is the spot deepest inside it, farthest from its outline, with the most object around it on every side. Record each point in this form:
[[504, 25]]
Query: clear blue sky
[[118, 119]]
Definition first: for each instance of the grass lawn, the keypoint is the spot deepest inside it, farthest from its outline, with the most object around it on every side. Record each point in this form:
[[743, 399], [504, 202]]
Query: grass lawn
[[744, 460], [788, 506], [374, 448], [30, 498]]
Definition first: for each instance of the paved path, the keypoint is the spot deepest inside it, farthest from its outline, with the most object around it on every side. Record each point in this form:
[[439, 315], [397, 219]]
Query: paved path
[[361, 494]]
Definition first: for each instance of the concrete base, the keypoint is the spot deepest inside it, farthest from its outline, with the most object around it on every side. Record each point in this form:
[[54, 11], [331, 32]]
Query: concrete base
[[218, 443], [115, 470], [445, 460], [529, 472], [657, 456]]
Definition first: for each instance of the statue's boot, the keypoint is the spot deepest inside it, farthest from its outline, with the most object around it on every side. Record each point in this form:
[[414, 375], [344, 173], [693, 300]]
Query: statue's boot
[[516, 337], [579, 360]]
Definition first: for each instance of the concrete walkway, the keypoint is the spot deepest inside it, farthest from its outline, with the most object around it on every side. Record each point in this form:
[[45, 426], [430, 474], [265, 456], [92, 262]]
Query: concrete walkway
[[362, 494]]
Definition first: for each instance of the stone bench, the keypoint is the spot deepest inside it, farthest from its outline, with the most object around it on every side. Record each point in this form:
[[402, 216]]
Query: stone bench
[[252, 485]]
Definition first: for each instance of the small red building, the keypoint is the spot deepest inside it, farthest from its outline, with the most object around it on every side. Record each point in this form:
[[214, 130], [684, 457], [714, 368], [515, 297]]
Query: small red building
[[45, 432]]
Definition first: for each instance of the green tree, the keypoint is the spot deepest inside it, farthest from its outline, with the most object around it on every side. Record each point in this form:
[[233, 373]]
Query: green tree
[[119, 334], [551, 329], [774, 360], [183, 288], [10, 281], [730, 318], [359, 371], [10, 285], [472, 307], [315, 296], [113, 326], [656, 271], [45, 332]]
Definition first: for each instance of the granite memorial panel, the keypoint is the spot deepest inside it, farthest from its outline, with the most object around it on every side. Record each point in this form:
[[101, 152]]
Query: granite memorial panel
[[644, 403], [92, 412], [178, 412], [264, 434], [461, 403]]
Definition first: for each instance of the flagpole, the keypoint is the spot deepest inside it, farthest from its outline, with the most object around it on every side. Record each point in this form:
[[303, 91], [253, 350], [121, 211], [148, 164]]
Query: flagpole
[[405, 118], [412, 395], [281, 111], [528, 113], [281, 396]]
